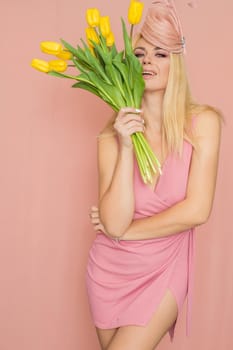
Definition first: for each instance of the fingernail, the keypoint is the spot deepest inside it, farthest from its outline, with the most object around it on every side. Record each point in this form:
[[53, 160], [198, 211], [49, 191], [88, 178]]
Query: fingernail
[[143, 121], [138, 110]]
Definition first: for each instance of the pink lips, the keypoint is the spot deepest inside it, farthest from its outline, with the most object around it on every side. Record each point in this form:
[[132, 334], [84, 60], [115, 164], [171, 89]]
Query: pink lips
[[148, 74]]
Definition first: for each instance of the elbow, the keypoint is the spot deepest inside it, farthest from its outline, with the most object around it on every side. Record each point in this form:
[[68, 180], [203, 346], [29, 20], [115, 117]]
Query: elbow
[[115, 221], [202, 216], [114, 231], [114, 228]]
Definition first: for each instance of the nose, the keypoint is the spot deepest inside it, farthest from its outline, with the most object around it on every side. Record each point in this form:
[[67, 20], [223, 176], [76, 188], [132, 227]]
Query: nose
[[146, 59]]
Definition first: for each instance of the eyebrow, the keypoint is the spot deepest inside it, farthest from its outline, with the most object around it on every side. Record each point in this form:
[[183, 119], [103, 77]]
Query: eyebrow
[[142, 48]]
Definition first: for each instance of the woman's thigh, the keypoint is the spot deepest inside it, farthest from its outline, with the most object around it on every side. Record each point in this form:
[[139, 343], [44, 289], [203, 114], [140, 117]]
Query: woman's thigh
[[147, 337], [105, 336]]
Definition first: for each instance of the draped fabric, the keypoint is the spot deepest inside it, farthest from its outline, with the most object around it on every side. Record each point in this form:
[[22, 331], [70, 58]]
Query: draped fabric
[[126, 280]]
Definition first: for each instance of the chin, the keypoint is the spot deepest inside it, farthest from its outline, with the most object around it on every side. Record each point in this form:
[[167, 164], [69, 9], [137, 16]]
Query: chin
[[153, 89]]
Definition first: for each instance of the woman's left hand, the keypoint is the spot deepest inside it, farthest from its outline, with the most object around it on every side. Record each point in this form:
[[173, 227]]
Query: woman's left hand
[[95, 220]]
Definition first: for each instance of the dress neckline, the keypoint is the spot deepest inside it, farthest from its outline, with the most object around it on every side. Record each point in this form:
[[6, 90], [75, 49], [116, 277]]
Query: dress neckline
[[159, 178]]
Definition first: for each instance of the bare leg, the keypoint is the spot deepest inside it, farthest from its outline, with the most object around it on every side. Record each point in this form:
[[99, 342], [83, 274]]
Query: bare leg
[[147, 337], [105, 336]]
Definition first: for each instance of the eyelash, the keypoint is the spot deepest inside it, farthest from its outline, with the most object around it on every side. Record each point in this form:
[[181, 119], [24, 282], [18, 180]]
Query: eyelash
[[141, 54]]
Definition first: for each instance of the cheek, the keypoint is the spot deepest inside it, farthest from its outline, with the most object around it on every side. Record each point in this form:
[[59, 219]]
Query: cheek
[[166, 69]]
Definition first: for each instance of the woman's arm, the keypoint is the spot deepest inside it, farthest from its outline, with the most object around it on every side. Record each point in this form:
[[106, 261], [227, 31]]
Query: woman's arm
[[115, 168], [196, 207]]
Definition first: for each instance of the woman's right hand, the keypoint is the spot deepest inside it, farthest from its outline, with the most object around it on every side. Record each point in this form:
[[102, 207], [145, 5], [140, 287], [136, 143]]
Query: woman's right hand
[[127, 122]]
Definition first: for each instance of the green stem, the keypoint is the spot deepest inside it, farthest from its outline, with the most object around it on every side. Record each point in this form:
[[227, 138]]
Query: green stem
[[131, 31], [148, 151], [144, 164], [147, 162], [138, 157]]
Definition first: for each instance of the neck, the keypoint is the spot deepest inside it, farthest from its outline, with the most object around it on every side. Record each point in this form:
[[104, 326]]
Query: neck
[[152, 105]]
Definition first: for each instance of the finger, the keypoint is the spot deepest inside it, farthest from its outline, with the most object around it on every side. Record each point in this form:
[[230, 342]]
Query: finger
[[98, 228], [122, 128], [125, 110], [94, 209], [94, 215], [128, 110], [135, 129], [133, 123], [95, 221], [128, 117], [130, 128]]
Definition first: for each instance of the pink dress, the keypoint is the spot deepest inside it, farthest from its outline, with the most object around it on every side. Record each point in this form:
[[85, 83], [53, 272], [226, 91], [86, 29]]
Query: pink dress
[[126, 280]]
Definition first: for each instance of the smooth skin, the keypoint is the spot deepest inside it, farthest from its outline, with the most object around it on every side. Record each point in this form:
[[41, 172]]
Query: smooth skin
[[114, 214]]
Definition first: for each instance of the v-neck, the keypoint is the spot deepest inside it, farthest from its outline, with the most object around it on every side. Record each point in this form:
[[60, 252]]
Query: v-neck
[[153, 190]]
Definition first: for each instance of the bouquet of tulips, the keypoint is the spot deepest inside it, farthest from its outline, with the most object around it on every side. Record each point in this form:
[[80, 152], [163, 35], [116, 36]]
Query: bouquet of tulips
[[114, 76]]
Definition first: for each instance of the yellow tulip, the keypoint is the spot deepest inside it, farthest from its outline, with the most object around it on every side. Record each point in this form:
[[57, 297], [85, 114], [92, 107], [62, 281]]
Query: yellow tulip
[[93, 17], [57, 65], [91, 34], [64, 55], [135, 12], [110, 39], [50, 47], [104, 25], [40, 65]]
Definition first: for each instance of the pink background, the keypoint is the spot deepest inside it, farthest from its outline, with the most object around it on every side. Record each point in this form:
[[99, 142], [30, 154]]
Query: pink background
[[49, 179]]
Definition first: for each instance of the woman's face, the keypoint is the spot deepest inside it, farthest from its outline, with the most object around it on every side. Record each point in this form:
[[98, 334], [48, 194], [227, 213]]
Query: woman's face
[[156, 64]]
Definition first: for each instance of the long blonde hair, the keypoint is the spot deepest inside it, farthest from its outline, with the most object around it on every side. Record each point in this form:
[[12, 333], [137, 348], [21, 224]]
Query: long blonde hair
[[178, 107]]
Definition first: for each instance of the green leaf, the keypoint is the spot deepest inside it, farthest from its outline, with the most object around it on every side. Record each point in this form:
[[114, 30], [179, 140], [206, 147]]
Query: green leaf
[[93, 61], [119, 56], [82, 68], [116, 79], [85, 78], [138, 90], [125, 75], [109, 91], [86, 86], [127, 41], [69, 47], [131, 71], [81, 56], [105, 56], [113, 51], [61, 75]]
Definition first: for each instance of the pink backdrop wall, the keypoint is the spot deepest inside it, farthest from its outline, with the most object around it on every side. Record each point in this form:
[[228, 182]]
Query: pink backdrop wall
[[48, 179]]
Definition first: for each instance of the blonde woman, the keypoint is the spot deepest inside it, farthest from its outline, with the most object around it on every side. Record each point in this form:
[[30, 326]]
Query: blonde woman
[[140, 265]]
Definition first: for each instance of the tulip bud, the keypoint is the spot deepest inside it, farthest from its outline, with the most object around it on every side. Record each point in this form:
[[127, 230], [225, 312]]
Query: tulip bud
[[40, 65], [92, 35], [135, 12], [93, 17], [105, 27], [57, 65], [64, 55], [50, 47], [110, 39]]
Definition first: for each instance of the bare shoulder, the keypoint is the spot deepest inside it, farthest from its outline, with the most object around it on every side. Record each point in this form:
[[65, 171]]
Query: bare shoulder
[[208, 122], [107, 140], [107, 158]]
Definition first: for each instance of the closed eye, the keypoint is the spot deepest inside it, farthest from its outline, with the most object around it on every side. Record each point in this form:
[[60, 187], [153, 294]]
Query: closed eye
[[157, 54], [161, 55], [138, 54]]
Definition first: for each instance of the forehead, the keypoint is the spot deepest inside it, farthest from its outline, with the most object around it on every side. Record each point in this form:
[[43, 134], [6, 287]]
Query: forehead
[[142, 43]]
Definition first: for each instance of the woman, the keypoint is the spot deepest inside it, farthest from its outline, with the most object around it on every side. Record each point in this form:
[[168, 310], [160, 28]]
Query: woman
[[140, 266]]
